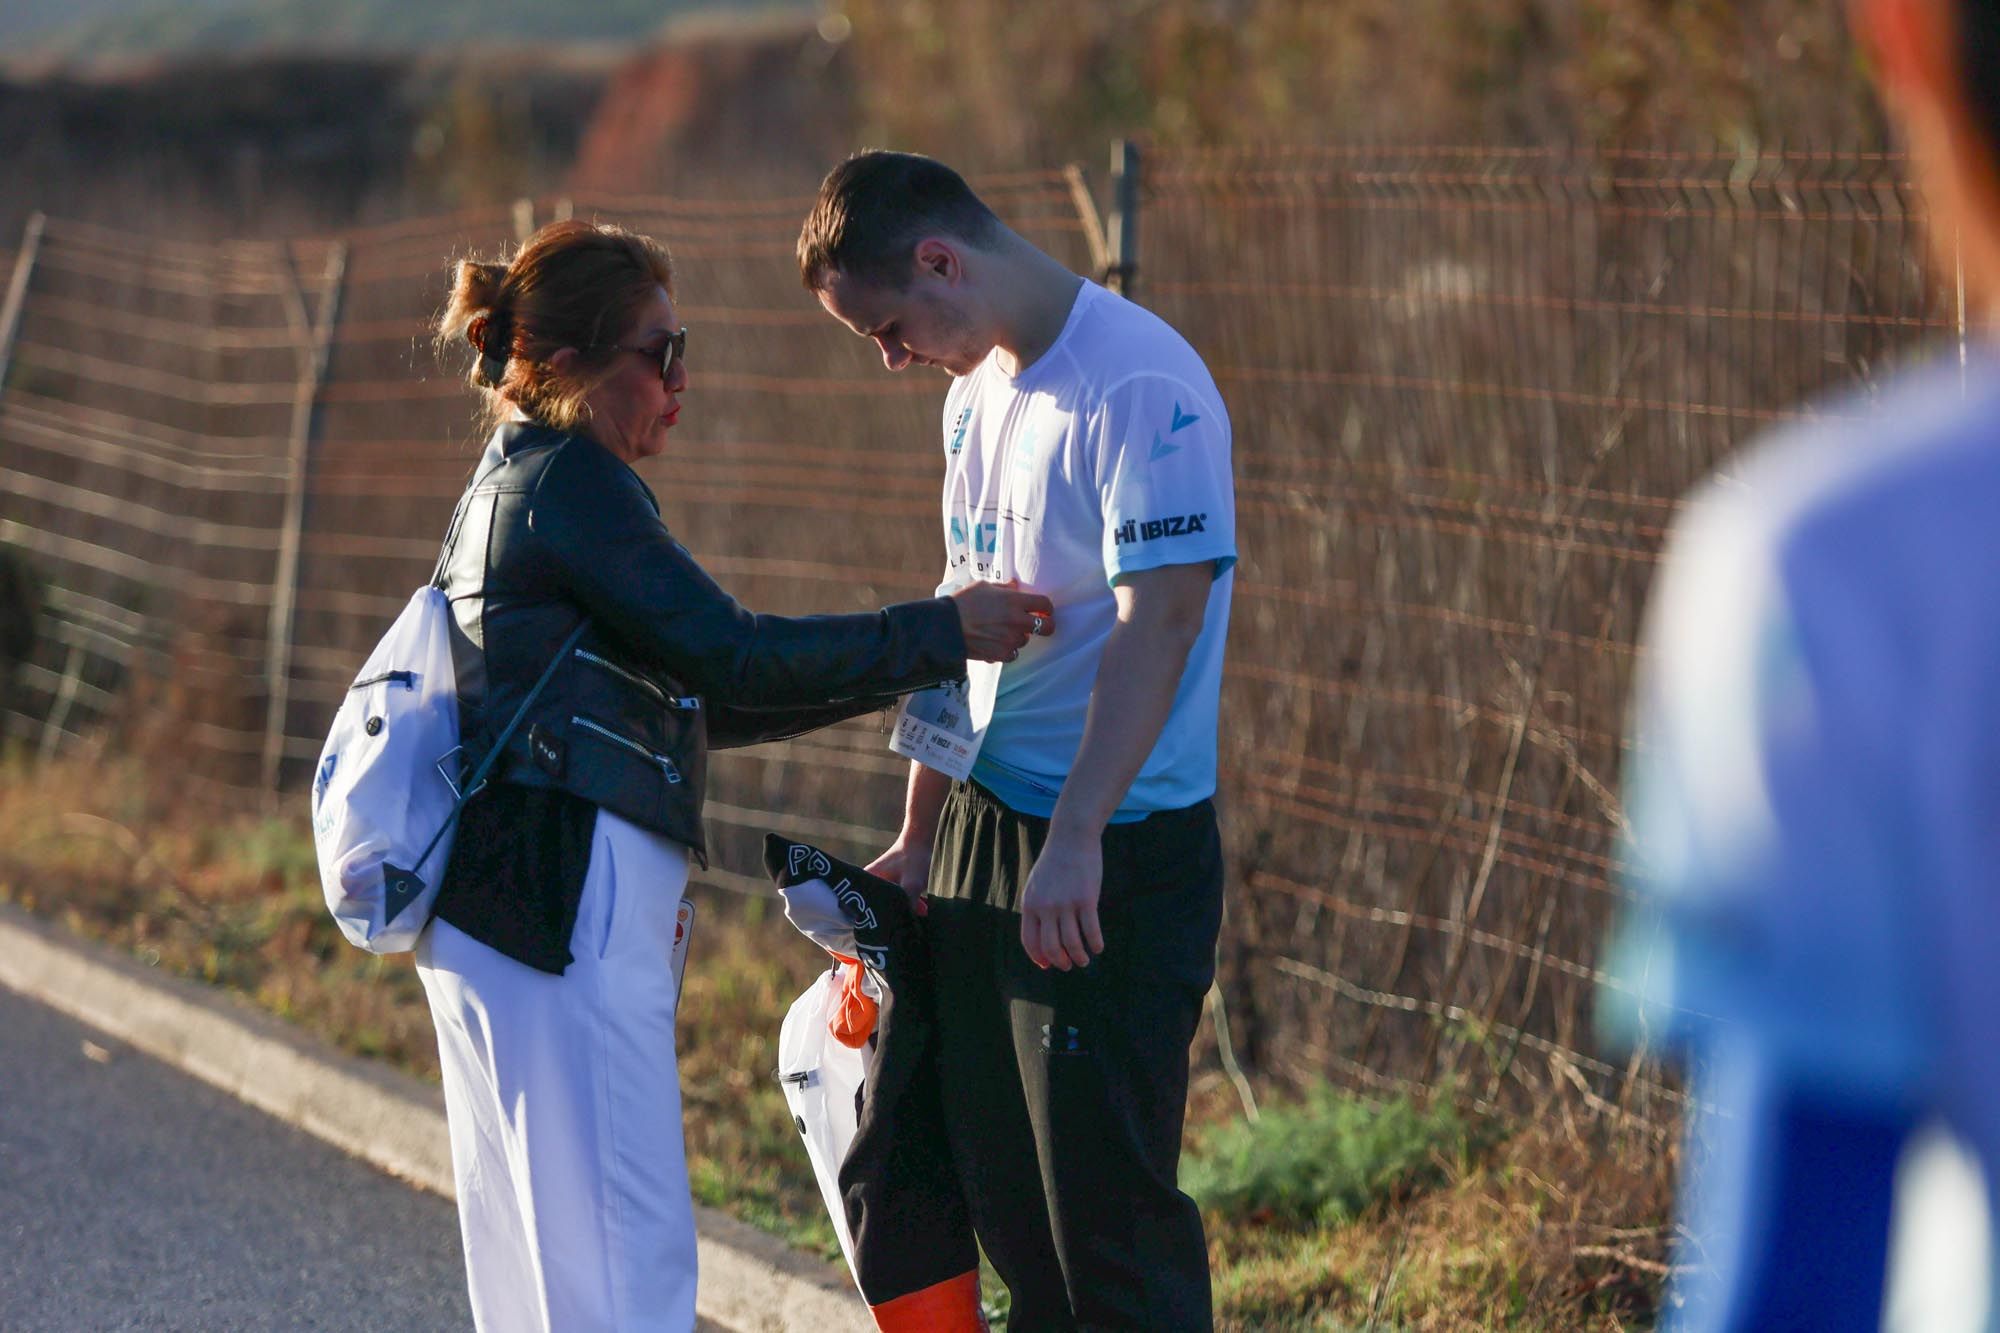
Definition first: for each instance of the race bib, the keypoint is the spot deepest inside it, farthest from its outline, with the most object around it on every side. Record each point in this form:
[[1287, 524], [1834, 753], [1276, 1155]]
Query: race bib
[[942, 728]]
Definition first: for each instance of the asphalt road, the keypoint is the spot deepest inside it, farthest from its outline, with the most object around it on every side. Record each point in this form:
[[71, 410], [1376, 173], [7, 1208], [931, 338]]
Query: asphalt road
[[135, 1197]]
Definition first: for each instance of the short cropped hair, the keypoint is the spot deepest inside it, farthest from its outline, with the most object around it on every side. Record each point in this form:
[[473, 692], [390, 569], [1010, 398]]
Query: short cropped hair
[[874, 208], [1979, 65]]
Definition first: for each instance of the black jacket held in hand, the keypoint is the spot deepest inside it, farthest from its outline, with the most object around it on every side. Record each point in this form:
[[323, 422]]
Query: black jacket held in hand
[[555, 528], [911, 1227]]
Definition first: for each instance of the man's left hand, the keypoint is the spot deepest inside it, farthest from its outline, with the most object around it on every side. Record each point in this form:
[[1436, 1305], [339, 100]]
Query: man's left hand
[[1059, 903]]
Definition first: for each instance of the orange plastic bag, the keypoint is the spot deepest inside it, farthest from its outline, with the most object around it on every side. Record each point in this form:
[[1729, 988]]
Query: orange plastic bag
[[852, 1021]]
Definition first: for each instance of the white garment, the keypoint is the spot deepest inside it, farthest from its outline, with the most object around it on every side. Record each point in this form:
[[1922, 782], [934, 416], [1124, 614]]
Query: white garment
[[1107, 456], [565, 1107]]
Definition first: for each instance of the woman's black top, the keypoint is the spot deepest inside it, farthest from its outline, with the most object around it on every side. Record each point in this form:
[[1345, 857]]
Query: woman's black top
[[554, 529], [515, 878]]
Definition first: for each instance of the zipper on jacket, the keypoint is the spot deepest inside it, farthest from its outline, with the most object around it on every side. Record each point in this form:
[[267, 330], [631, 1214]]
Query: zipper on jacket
[[664, 764], [891, 696], [684, 703], [803, 1078], [659, 696], [407, 679]]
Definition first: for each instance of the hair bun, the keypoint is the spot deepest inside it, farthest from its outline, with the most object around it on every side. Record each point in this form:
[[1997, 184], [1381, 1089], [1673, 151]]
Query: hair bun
[[476, 286]]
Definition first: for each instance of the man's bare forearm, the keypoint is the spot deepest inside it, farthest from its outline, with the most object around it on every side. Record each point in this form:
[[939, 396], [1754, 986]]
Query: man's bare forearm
[[1144, 658], [923, 802]]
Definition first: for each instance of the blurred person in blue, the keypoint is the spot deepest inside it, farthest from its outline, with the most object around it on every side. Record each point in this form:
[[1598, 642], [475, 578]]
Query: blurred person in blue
[[1075, 864], [1815, 793]]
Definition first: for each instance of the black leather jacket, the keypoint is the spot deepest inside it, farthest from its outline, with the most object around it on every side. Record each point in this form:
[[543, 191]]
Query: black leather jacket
[[555, 528]]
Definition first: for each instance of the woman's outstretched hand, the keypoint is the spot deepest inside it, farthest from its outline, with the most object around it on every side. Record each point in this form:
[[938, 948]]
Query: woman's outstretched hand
[[998, 618]]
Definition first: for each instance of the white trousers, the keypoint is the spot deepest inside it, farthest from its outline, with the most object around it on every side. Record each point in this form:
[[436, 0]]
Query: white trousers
[[565, 1107]]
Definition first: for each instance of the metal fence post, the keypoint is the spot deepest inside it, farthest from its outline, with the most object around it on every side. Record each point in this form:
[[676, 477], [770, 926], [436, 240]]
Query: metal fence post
[[16, 304], [12, 311], [1122, 272], [285, 583], [55, 722], [1086, 215]]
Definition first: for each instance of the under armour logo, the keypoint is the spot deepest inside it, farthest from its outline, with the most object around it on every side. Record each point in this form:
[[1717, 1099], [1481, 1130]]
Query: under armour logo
[[1062, 1040]]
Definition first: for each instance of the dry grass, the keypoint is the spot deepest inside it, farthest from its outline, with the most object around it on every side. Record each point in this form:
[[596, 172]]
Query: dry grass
[[232, 901], [1559, 1226], [1554, 1226]]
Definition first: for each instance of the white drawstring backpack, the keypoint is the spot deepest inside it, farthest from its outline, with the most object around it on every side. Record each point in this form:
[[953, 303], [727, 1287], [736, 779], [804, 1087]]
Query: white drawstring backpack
[[382, 797], [386, 795]]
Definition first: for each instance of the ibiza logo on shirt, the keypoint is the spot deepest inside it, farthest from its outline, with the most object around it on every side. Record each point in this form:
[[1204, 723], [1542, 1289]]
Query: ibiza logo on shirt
[[1152, 529], [958, 431]]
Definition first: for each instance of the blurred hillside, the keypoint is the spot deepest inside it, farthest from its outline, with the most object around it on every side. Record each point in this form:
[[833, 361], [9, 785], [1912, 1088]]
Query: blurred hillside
[[972, 79], [94, 30], [26, 26], [762, 94], [291, 143], [283, 145]]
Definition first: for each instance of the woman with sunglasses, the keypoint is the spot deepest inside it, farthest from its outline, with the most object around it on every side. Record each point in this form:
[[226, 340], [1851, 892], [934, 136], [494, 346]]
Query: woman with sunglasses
[[547, 960]]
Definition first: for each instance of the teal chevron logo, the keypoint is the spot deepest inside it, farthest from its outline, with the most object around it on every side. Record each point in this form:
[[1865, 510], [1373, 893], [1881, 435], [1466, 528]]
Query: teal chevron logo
[[1161, 448], [1182, 420]]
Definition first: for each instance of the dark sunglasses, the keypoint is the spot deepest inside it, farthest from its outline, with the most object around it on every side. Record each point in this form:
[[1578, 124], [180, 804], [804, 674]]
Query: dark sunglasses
[[675, 349]]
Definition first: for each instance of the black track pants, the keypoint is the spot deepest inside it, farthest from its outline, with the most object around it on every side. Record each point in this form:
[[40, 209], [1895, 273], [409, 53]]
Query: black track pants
[[1064, 1092]]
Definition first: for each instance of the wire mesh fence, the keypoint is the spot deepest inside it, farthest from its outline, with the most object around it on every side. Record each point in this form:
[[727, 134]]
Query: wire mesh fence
[[1468, 387]]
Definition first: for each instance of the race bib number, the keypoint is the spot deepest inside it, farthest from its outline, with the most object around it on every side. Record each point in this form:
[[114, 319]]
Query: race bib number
[[942, 728], [683, 936]]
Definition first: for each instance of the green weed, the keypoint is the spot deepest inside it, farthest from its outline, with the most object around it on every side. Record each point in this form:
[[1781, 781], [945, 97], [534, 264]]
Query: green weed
[[1326, 1159]]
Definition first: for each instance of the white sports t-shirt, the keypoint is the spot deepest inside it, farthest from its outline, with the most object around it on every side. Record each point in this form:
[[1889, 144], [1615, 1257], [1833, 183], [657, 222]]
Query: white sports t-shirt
[[1107, 456]]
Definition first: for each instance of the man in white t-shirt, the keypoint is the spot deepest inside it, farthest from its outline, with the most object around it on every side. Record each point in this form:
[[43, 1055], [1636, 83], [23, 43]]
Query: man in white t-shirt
[[1076, 874]]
